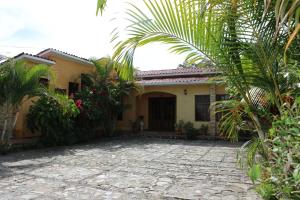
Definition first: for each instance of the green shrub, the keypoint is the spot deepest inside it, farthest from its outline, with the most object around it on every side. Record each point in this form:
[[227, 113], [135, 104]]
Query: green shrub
[[53, 118], [179, 126], [4, 148], [203, 130], [280, 176], [190, 132]]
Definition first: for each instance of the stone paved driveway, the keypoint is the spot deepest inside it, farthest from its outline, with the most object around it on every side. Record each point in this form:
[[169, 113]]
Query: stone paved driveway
[[126, 169]]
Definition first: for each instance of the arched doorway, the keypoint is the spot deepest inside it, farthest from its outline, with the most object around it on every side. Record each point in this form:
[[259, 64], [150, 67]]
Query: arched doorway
[[159, 111]]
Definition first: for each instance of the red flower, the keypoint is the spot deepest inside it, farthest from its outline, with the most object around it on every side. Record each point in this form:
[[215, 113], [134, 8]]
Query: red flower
[[78, 103], [103, 93]]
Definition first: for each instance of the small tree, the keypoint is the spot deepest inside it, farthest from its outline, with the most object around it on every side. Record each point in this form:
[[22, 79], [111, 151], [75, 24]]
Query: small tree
[[18, 83], [100, 100]]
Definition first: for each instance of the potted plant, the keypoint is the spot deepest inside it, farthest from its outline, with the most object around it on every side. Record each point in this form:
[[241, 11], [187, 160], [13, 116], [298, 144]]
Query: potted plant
[[179, 127], [189, 131]]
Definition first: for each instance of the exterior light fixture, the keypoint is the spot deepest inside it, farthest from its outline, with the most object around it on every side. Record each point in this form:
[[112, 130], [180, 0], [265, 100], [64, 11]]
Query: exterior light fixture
[[185, 91]]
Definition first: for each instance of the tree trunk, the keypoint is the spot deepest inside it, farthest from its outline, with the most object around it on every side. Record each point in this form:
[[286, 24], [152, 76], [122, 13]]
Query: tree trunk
[[10, 119]]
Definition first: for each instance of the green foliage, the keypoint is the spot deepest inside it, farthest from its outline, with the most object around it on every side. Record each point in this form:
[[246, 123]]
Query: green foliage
[[254, 172], [101, 4], [4, 147], [281, 178], [53, 118], [101, 100], [17, 81], [189, 131], [203, 130], [266, 191], [179, 126]]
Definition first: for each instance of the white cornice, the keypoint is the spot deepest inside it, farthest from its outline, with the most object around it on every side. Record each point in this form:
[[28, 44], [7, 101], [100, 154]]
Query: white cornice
[[35, 59], [65, 55]]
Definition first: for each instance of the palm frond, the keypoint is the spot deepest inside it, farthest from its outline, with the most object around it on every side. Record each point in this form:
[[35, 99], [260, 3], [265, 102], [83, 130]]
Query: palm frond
[[101, 4], [179, 23], [19, 81], [232, 120]]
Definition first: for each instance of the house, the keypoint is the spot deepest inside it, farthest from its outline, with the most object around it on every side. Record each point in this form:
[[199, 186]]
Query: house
[[172, 95], [168, 95], [67, 70]]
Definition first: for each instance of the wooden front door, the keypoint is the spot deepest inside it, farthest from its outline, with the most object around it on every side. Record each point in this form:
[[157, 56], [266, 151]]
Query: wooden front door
[[162, 113]]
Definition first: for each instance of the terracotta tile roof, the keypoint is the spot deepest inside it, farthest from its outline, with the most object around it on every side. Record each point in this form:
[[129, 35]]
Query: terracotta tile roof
[[187, 71], [173, 81], [55, 51]]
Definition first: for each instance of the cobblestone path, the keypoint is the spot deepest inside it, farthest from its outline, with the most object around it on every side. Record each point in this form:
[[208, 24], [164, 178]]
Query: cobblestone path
[[126, 169]]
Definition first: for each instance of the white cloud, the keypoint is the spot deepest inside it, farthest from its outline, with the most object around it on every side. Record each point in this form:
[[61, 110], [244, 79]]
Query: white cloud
[[72, 26]]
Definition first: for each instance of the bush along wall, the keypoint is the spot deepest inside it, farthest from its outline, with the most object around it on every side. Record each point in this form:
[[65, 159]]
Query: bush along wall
[[53, 117], [279, 176]]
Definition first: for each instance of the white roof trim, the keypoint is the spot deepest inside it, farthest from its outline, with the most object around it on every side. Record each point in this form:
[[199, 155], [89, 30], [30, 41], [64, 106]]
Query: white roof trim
[[179, 83], [175, 74], [36, 59], [174, 83], [65, 55]]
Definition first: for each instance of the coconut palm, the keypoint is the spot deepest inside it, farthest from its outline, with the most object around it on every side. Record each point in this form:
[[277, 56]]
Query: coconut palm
[[18, 83]]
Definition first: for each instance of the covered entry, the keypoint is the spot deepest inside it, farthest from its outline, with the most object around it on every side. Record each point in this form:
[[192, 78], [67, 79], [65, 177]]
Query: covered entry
[[158, 110], [162, 116]]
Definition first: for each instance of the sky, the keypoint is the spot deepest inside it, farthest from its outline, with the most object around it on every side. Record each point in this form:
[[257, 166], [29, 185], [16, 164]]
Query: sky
[[72, 26]]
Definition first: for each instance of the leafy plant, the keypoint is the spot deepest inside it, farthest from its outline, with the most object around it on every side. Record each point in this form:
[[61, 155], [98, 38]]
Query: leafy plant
[[102, 98], [4, 147], [18, 83], [203, 130], [53, 118], [280, 174], [179, 126], [254, 172], [190, 132]]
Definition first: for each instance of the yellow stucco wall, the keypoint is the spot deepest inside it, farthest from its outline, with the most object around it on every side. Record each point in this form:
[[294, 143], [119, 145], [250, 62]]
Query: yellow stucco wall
[[185, 104], [65, 71]]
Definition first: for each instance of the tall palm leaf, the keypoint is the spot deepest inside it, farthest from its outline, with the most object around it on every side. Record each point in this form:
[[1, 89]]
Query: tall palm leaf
[[101, 4], [287, 17]]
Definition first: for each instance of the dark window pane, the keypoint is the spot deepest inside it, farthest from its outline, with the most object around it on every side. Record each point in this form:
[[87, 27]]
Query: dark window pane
[[44, 82], [202, 103], [222, 97], [73, 88]]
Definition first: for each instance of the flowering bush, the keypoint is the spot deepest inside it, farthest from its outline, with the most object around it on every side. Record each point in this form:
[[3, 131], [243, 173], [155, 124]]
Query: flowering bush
[[53, 117], [99, 106], [100, 100]]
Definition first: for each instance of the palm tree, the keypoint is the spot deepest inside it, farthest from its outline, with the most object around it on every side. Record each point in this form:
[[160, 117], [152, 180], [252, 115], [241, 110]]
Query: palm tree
[[239, 37], [18, 83]]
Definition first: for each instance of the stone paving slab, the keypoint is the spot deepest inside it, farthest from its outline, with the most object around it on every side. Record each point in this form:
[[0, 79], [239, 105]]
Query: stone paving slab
[[127, 169]]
